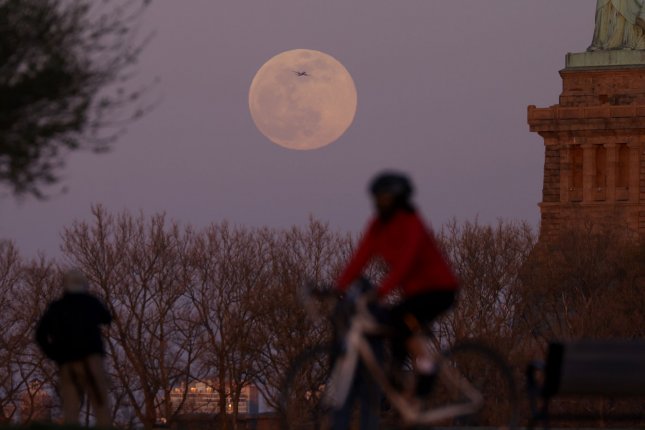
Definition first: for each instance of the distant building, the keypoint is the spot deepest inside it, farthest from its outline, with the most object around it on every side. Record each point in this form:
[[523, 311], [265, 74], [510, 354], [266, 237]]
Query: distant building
[[203, 398], [198, 408], [36, 403]]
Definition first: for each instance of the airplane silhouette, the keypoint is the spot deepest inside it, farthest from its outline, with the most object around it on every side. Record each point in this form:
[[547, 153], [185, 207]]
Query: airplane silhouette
[[303, 73]]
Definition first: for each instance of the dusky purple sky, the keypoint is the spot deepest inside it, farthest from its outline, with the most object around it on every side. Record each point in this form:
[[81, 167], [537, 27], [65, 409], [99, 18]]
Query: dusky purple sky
[[443, 88]]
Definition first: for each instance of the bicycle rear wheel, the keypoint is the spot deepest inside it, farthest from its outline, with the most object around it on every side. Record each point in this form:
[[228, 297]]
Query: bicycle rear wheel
[[303, 391], [476, 379]]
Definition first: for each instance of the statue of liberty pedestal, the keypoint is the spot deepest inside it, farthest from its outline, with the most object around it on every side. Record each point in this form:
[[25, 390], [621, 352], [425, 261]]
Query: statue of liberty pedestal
[[620, 24], [594, 137]]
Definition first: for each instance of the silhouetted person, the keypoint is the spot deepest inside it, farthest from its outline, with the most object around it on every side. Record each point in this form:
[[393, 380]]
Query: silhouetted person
[[69, 333]]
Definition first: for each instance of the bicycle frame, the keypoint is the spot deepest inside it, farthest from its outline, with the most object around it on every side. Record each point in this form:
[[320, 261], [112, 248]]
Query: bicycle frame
[[358, 348]]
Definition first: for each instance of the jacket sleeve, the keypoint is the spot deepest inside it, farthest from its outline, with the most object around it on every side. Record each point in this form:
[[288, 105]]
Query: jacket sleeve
[[43, 335], [412, 234], [358, 260]]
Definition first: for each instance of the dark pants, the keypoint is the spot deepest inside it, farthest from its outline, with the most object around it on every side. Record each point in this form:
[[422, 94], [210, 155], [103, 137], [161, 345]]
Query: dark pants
[[413, 313], [78, 378]]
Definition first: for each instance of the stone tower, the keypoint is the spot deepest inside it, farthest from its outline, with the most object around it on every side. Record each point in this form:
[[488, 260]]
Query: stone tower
[[594, 141]]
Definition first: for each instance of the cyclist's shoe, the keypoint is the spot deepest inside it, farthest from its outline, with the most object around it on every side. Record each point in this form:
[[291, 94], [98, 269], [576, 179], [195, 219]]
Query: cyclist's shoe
[[425, 384]]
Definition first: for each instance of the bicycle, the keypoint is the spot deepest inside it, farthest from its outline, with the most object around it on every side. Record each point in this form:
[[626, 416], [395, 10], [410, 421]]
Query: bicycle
[[475, 385]]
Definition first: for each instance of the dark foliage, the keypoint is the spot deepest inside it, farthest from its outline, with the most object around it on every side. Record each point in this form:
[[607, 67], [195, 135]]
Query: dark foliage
[[63, 67]]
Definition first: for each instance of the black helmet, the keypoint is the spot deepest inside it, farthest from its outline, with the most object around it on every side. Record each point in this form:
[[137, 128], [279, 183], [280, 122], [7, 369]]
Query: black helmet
[[396, 184]]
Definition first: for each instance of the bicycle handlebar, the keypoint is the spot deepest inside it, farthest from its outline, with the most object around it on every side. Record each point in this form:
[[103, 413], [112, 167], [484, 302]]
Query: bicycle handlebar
[[355, 300]]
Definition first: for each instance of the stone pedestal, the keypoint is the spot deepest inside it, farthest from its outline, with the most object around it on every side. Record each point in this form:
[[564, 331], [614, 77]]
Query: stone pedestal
[[595, 143]]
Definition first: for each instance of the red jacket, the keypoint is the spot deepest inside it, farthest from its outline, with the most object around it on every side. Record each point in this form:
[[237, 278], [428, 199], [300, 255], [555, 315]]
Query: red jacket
[[410, 252]]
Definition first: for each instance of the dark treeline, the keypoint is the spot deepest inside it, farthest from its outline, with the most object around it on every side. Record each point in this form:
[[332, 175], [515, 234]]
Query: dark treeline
[[221, 304]]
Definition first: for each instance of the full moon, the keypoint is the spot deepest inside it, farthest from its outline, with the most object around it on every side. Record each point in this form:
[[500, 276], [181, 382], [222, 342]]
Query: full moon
[[302, 99]]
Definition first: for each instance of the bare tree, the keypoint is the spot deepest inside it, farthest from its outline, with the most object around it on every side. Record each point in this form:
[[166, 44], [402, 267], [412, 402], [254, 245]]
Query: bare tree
[[10, 342], [230, 274], [488, 260], [27, 380], [584, 283], [138, 267], [301, 255], [39, 285]]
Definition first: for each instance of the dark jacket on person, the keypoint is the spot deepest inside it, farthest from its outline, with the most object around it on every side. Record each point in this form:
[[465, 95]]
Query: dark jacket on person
[[69, 330]]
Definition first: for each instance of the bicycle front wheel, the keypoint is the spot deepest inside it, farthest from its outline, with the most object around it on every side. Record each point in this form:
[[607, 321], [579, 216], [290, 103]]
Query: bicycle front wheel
[[303, 391], [478, 383]]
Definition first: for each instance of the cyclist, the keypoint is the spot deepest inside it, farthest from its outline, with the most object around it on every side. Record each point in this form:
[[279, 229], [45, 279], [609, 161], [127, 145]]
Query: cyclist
[[416, 269]]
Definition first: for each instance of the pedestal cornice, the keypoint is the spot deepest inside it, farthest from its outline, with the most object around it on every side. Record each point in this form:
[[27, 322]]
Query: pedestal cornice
[[559, 118]]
